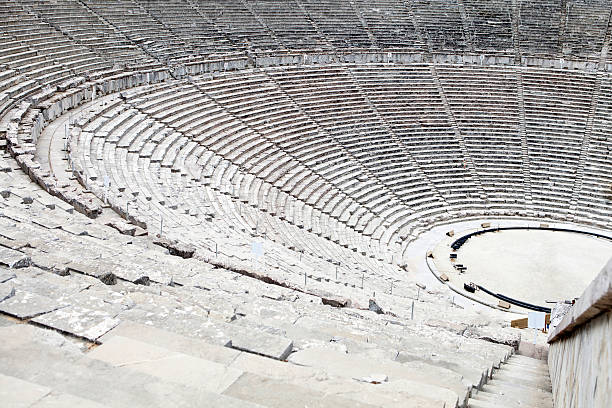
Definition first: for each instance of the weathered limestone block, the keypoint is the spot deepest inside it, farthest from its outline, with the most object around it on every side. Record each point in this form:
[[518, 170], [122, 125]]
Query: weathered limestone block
[[13, 259], [176, 248], [507, 336]]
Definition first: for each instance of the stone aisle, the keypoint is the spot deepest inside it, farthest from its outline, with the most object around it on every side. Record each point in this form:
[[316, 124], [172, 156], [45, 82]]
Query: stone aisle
[[520, 382]]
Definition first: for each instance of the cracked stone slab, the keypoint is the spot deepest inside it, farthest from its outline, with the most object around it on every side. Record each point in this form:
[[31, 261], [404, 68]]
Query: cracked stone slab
[[273, 393], [101, 272], [166, 364], [6, 276], [75, 229], [23, 355], [7, 291], [173, 341], [267, 345], [13, 259], [25, 305], [80, 321], [59, 400]]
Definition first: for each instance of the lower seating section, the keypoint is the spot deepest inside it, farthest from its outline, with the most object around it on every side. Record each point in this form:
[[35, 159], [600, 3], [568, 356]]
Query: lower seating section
[[97, 286]]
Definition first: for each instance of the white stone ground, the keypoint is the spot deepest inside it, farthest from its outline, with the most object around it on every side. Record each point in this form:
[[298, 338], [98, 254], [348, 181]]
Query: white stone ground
[[532, 266]]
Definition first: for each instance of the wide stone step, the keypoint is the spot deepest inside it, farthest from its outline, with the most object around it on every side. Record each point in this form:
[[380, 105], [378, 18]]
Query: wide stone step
[[210, 376], [512, 400], [444, 384], [18, 393], [386, 394], [542, 382], [27, 352]]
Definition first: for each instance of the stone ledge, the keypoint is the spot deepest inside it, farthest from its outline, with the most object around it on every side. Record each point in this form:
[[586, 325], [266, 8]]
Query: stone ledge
[[596, 299]]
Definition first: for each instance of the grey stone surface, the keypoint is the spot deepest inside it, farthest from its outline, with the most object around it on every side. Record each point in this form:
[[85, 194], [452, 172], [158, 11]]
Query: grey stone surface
[[16, 393], [60, 400], [12, 258], [506, 336], [172, 341], [263, 344], [447, 384], [80, 321], [279, 394], [6, 275], [7, 290], [595, 299], [515, 384], [580, 365], [166, 364], [70, 372], [25, 305], [557, 314]]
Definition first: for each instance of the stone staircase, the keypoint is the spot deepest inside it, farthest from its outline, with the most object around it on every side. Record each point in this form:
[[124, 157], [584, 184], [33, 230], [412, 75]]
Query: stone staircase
[[524, 147], [520, 382]]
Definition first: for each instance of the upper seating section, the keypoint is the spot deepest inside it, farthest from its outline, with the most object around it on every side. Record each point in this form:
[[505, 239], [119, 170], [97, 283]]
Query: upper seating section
[[128, 31]]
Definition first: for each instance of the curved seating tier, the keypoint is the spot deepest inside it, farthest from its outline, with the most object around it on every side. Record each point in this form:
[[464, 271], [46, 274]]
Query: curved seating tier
[[405, 147], [296, 185]]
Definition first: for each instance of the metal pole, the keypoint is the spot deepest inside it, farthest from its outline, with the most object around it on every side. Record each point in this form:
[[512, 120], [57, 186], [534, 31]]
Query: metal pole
[[362, 276], [412, 311], [304, 278], [336, 273], [216, 250]]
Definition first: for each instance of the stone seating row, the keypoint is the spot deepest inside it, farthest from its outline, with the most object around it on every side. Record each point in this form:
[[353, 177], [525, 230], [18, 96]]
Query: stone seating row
[[121, 184], [154, 29], [507, 199]]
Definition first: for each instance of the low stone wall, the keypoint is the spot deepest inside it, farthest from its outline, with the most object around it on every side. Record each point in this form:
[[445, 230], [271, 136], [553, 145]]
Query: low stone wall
[[580, 353]]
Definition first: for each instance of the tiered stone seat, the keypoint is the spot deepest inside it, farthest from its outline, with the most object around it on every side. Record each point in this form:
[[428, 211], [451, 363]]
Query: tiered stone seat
[[399, 94], [137, 25], [236, 19], [586, 28], [85, 28], [441, 21], [290, 25], [391, 24], [484, 105], [333, 167], [539, 27], [126, 184], [556, 110], [491, 22], [201, 33], [596, 168], [340, 23]]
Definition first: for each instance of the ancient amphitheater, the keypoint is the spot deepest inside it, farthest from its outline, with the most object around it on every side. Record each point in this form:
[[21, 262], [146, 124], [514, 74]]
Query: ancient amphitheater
[[255, 203]]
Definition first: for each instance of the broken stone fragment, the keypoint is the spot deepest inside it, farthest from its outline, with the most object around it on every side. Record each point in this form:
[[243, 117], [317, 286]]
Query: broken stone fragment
[[143, 280], [176, 248], [374, 307], [123, 227], [375, 378], [108, 278], [27, 200]]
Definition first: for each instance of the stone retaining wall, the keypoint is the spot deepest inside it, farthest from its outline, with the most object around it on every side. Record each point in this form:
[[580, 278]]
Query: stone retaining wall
[[580, 353]]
